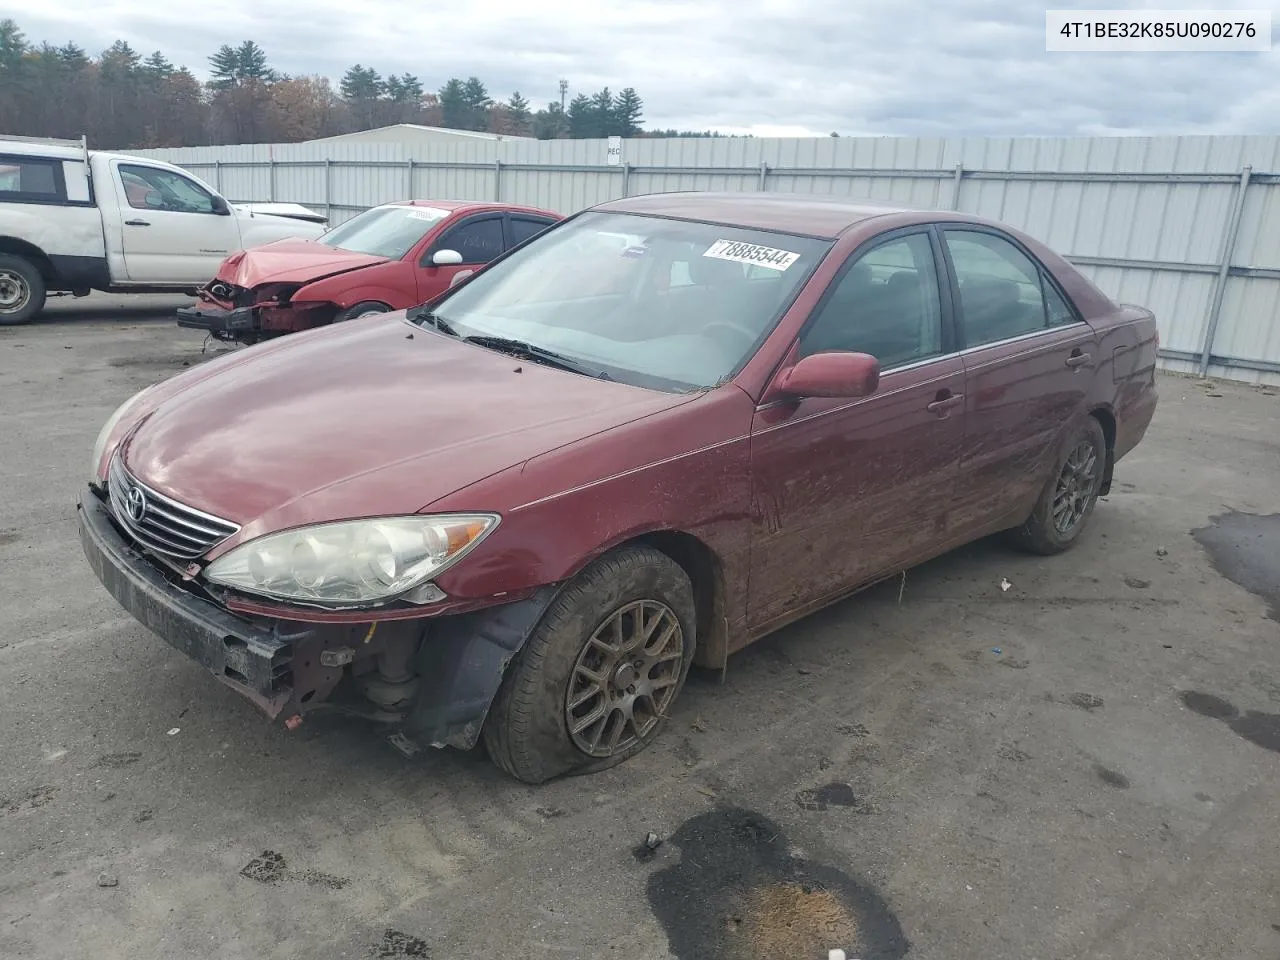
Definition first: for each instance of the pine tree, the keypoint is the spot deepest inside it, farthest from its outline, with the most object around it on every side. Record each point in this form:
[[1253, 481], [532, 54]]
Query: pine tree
[[627, 107], [602, 123], [581, 117], [519, 117], [453, 105], [477, 101]]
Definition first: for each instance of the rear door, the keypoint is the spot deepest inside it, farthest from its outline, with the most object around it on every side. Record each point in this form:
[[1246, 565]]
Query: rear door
[[1029, 358], [478, 240], [846, 490], [169, 231]]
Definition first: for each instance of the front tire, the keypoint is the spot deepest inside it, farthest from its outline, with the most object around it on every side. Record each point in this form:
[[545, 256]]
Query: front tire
[[597, 678], [1068, 499], [22, 290], [362, 309]]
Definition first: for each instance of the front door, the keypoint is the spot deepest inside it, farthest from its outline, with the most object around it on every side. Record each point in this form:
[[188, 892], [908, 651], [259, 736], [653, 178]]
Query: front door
[[1029, 359], [846, 491], [478, 240], [170, 233]]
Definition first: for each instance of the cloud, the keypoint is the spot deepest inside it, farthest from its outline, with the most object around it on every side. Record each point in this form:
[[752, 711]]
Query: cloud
[[906, 67]]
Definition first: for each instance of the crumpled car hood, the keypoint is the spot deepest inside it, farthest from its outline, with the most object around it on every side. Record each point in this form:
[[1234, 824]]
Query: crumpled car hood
[[362, 419], [290, 261]]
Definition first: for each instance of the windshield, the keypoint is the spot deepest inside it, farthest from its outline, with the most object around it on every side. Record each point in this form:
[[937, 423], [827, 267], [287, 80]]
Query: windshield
[[388, 231], [665, 304]]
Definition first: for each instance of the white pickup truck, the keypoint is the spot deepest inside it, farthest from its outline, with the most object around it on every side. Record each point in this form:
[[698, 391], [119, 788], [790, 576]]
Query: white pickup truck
[[74, 220]]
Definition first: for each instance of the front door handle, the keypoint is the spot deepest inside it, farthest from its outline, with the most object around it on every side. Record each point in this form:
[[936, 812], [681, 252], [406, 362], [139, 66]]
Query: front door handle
[[1077, 359], [137, 223], [944, 402]]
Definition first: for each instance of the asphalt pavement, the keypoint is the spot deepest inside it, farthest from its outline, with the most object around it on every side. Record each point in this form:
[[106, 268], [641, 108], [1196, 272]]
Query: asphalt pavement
[[1083, 765]]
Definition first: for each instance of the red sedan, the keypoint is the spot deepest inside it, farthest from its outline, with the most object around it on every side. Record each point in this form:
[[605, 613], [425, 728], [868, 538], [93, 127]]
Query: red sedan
[[386, 258], [660, 430]]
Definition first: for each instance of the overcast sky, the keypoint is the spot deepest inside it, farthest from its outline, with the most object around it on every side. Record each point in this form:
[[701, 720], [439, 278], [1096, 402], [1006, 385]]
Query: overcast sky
[[769, 67]]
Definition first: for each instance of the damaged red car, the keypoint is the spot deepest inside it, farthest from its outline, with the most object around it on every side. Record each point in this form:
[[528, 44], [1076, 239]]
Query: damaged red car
[[387, 258], [660, 430]]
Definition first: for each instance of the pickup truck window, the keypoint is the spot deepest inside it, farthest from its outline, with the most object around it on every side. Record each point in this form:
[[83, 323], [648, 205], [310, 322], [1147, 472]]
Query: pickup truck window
[[149, 188], [29, 179]]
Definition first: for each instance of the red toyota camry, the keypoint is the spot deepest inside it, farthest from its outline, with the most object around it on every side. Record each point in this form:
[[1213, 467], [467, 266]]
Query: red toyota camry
[[659, 430]]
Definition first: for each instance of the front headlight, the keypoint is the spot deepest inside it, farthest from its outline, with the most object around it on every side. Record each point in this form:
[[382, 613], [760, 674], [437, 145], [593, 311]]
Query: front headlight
[[100, 445], [353, 562]]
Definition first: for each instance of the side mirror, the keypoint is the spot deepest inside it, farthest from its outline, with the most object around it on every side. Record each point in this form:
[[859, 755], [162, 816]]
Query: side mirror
[[446, 258], [221, 207], [836, 374]]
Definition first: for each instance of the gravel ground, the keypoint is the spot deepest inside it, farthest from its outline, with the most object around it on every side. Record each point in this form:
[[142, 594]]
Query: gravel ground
[[1086, 765]]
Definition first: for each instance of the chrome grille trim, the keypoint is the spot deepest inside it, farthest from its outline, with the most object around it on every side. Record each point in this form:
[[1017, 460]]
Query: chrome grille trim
[[167, 527]]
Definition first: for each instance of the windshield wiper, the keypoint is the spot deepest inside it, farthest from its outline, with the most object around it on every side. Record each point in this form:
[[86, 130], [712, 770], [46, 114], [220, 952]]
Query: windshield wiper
[[537, 354], [421, 315]]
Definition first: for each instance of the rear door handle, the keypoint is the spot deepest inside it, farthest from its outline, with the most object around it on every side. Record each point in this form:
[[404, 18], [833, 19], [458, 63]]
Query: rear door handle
[[945, 403], [137, 223], [1077, 359]]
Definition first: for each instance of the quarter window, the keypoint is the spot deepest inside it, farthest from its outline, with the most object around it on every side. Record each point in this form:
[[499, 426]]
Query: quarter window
[[1056, 307], [1001, 291], [885, 304], [27, 178], [149, 188]]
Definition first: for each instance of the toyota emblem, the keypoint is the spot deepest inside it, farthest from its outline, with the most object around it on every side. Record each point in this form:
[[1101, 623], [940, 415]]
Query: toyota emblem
[[136, 504]]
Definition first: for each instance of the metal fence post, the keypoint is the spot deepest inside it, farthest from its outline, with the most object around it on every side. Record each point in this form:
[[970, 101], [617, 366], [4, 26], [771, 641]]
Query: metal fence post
[[626, 179], [497, 180], [764, 174], [328, 191], [217, 175], [408, 191], [955, 186], [1224, 270], [271, 188]]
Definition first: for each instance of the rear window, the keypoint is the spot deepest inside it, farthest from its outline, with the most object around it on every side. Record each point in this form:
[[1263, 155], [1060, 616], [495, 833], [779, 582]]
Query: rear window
[[29, 179]]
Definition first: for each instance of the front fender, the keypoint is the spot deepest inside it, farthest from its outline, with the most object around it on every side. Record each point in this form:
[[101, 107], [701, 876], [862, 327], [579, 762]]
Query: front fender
[[461, 664]]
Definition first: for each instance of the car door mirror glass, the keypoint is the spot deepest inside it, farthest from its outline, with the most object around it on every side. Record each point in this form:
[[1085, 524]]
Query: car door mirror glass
[[446, 258], [836, 374]]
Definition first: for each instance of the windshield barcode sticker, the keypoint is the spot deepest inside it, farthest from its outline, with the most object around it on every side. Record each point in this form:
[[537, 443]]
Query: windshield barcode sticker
[[740, 252]]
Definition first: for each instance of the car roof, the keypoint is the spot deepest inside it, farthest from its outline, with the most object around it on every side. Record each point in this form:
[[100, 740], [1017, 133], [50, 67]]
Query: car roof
[[814, 216], [470, 204]]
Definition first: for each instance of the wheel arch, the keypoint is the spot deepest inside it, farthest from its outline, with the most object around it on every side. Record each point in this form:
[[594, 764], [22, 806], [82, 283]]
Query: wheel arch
[[29, 251], [705, 572], [1107, 420]]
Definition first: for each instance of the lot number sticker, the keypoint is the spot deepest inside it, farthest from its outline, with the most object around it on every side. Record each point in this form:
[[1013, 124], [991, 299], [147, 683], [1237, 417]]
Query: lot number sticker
[[740, 252]]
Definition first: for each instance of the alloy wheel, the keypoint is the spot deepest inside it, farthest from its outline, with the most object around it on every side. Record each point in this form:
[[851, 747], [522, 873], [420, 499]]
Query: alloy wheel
[[1077, 484], [625, 678]]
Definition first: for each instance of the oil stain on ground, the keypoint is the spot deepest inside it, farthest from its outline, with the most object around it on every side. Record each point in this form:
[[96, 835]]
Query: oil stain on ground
[[1245, 548], [738, 894], [1255, 726]]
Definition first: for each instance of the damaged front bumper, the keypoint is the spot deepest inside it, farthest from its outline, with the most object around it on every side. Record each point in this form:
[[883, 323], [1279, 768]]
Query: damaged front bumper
[[221, 323], [455, 663]]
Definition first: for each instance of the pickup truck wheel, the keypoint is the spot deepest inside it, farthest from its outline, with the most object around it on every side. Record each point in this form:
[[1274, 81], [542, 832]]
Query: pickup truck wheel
[[22, 290], [360, 310], [597, 678], [1069, 497]]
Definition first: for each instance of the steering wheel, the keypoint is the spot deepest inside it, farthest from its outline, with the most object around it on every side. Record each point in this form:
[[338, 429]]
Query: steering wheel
[[729, 334]]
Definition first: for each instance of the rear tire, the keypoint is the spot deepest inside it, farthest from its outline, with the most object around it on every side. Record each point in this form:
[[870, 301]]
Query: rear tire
[[22, 290], [1068, 499], [360, 310], [627, 620]]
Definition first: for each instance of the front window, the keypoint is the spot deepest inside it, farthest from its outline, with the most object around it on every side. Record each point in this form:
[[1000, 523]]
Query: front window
[[390, 231], [150, 188], [665, 304]]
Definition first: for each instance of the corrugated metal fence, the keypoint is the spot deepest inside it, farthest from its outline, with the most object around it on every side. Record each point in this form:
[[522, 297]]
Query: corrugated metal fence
[[1187, 226]]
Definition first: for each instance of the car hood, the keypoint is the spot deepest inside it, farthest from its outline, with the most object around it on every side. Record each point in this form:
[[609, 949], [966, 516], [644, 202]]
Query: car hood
[[291, 261], [370, 417]]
